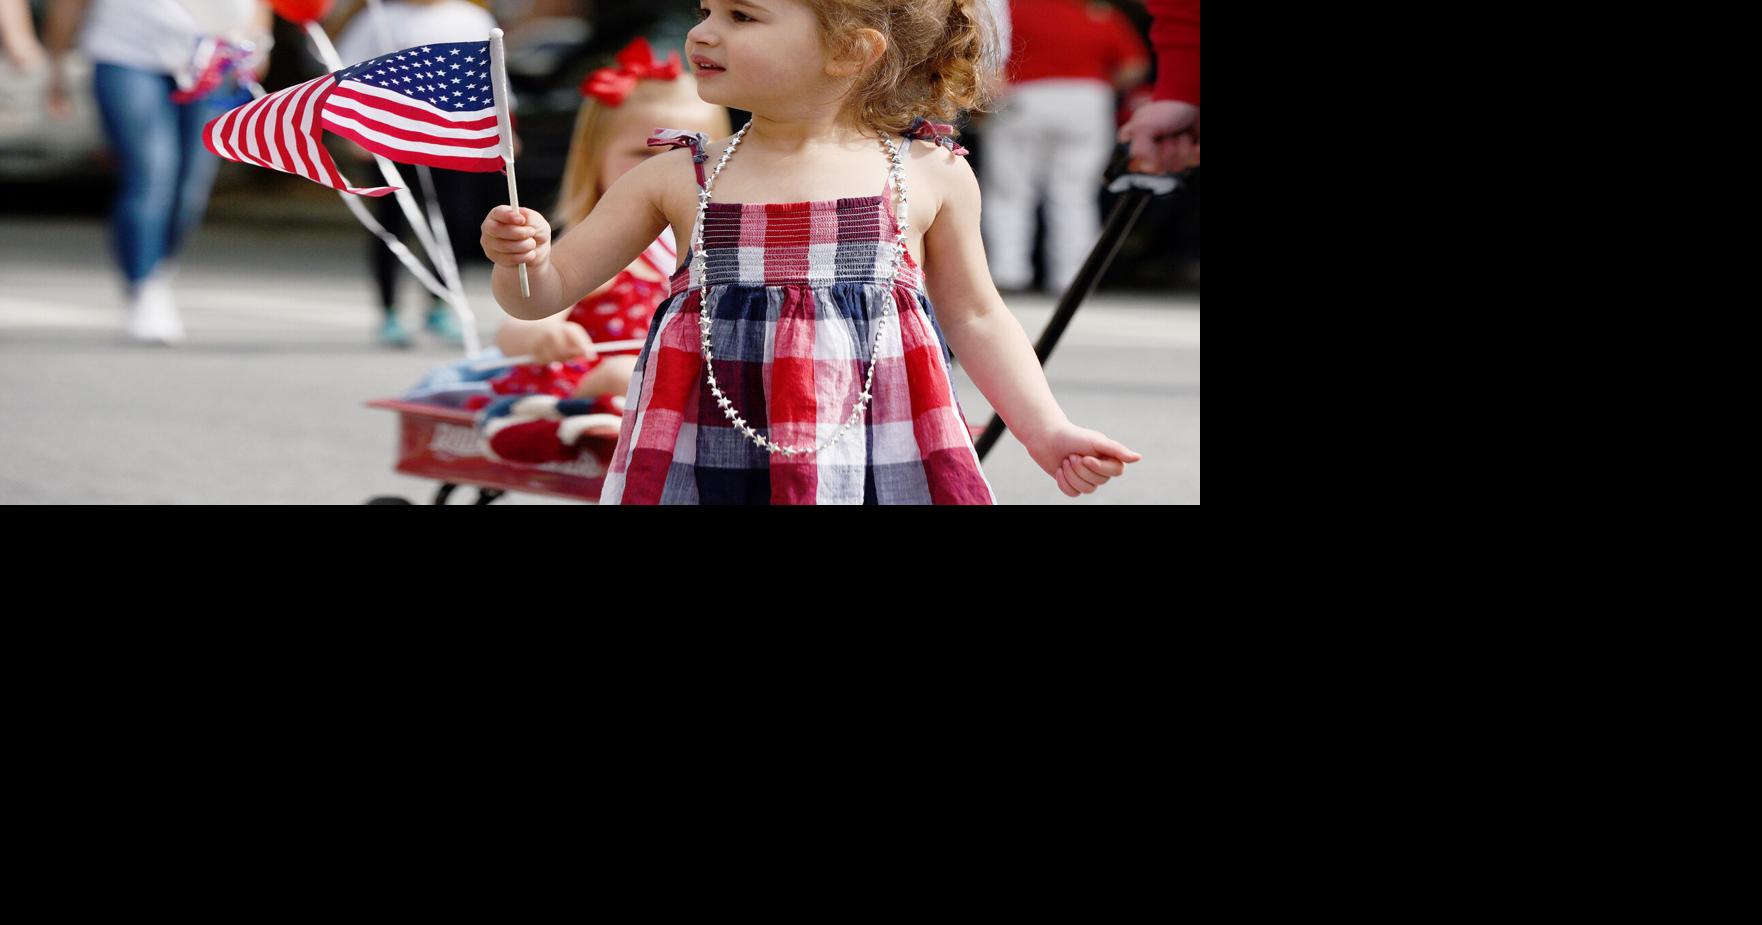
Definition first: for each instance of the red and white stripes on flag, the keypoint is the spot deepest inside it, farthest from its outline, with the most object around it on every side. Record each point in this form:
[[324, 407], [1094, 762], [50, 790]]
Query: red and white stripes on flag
[[433, 105], [282, 131], [412, 131]]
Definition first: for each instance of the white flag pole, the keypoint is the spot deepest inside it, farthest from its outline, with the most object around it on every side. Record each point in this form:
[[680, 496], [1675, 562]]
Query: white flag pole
[[498, 57]]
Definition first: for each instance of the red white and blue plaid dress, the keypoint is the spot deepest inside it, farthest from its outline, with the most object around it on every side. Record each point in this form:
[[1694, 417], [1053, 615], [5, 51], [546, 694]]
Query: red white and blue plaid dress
[[794, 289]]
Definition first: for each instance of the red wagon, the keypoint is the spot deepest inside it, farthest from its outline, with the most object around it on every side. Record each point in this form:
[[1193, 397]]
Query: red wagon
[[440, 443]]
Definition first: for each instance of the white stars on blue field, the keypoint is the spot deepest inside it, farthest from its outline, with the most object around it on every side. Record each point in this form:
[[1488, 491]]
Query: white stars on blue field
[[451, 77]]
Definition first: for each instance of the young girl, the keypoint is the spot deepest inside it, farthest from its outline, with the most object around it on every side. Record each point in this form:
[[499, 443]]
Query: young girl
[[800, 359], [620, 107]]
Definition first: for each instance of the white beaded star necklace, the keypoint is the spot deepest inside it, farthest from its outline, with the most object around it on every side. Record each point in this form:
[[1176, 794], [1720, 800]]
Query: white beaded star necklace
[[701, 266]]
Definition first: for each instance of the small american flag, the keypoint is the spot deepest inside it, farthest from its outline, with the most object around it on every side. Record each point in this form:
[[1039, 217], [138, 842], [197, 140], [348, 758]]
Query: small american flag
[[430, 105]]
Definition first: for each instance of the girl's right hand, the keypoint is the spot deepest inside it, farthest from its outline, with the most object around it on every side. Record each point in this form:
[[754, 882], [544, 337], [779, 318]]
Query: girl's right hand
[[512, 239], [564, 342]]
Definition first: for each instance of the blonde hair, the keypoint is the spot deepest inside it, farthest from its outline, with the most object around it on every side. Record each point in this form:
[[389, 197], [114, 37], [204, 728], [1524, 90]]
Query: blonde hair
[[593, 134], [941, 59]]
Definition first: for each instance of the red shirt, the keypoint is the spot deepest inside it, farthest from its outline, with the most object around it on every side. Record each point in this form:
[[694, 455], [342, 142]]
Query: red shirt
[[1070, 39], [1176, 37]]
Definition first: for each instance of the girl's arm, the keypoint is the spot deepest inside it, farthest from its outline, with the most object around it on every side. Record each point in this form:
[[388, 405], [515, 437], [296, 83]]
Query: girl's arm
[[552, 340], [988, 340], [984, 335], [624, 223], [517, 338]]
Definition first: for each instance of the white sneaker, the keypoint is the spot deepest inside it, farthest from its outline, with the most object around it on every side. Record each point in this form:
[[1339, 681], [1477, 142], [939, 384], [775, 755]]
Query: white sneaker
[[172, 323], [153, 317]]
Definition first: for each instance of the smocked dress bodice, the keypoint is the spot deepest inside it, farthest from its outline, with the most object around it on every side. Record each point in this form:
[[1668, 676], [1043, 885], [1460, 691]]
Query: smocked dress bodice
[[795, 295]]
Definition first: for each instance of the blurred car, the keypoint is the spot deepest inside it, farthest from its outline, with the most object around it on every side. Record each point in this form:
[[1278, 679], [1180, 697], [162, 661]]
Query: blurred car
[[35, 148]]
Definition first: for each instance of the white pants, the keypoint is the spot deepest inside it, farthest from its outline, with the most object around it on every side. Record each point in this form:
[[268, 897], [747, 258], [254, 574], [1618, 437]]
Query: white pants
[[1050, 138]]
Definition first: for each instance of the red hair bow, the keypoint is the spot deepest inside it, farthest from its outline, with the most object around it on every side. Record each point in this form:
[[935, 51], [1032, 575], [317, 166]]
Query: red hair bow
[[936, 132], [610, 85]]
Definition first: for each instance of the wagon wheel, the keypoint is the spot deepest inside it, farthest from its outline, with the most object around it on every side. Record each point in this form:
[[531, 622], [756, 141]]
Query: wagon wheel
[[484, 495]]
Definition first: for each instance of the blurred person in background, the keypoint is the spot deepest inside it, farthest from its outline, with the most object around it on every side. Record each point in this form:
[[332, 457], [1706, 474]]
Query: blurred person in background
[[462, 197], [144, 52], [1052, 134], [18, 37], [1164, 133]]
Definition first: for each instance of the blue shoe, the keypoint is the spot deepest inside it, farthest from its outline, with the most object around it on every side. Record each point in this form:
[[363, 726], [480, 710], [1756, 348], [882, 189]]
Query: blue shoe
[[392, 333], [443, 324]]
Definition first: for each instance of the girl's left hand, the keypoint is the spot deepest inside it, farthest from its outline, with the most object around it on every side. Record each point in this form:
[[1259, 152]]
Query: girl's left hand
[[1080, 460]]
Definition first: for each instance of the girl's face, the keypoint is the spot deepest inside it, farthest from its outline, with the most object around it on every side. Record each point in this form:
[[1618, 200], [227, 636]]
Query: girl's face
[[762, 56]]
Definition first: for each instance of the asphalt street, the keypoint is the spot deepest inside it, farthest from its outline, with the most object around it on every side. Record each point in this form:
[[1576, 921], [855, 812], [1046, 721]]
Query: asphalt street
[[265, 403]]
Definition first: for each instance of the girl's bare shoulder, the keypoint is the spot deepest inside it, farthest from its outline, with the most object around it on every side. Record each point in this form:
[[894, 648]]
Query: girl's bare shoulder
[[937, 176], [675, 175], [937, 160], [668, 178]]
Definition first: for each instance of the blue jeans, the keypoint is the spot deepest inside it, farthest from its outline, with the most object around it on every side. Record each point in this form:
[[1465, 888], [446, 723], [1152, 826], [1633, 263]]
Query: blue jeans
[[164, 171]]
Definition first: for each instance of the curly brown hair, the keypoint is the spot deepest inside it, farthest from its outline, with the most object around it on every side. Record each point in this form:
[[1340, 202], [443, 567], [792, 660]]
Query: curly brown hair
[[941, 58]]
